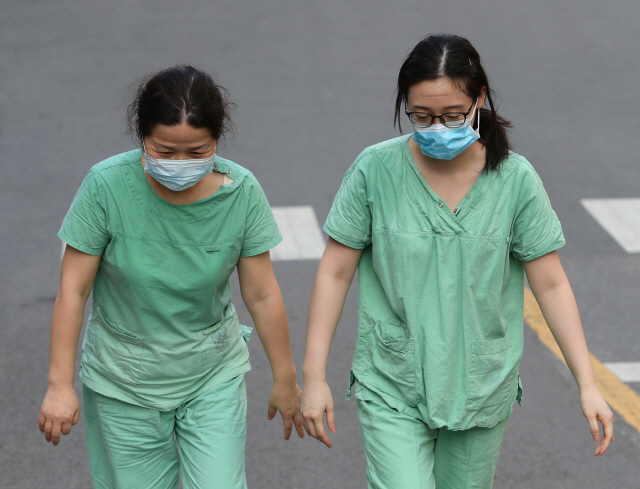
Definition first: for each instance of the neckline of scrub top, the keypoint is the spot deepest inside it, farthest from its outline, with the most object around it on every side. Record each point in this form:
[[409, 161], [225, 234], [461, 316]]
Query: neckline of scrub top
[[463, 206], [146, 196]]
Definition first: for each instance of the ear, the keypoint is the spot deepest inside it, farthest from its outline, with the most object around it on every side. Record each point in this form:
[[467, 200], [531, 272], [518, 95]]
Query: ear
[[482, 97]]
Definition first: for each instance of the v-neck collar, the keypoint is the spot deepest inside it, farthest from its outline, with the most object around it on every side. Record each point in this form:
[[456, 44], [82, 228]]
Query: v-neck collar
[[463, 206]]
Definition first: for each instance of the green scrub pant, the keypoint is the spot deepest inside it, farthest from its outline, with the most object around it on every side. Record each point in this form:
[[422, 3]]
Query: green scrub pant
[[134, 447], [402, 452]]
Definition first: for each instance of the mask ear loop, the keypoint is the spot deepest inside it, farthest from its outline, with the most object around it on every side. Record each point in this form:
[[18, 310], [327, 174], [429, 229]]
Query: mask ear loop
[[477, 115], [473, 75]]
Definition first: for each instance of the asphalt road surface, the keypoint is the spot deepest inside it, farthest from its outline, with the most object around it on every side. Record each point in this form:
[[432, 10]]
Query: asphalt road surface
[[314, 84]]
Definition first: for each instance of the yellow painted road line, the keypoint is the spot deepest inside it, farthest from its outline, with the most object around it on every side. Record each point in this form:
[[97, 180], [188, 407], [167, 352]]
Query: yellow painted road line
[[619, 395]]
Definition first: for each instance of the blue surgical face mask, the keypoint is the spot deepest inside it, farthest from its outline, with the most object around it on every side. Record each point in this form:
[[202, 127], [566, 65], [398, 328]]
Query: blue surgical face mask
[[445, 143], [177, 174]]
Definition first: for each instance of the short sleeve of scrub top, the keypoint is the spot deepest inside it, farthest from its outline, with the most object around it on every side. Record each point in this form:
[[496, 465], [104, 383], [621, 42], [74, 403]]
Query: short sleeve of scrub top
[[349, 221], [536, 228], [85, 226], [261, 230]]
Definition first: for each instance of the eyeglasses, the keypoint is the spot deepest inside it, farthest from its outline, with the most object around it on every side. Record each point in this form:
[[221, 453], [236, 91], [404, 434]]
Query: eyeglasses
[[450, 119]]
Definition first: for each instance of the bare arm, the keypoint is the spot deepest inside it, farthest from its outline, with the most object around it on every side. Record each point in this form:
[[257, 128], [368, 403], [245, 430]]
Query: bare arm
[[261, 294], [60, 408], [335, 274], [553, 292]]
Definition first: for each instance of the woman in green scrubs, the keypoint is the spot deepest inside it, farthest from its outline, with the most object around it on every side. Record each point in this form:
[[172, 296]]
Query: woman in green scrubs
[[442, 225], [156, 233]]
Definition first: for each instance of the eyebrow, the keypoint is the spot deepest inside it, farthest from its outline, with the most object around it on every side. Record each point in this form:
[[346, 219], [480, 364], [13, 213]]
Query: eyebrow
[[445, 109], [195, 148]]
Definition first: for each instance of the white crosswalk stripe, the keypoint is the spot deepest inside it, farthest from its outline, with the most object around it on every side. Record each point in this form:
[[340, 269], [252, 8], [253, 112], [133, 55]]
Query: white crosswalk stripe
[[620, 218], [303, 238], [625, 371]]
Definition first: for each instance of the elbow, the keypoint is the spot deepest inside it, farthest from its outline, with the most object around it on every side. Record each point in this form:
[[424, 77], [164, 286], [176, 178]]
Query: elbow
[[257, 300], [81, 295], [551, 286], [336, 272]]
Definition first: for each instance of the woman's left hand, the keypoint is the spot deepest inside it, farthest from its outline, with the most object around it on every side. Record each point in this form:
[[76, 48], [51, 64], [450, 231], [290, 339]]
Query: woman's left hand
[[285, 397], [595, 409]]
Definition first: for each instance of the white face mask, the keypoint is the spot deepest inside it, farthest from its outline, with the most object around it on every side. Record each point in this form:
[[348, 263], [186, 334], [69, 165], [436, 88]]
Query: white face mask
[[177, 174]]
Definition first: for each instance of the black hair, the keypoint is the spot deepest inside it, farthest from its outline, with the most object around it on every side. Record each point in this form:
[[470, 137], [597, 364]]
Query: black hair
[[176, 95], [453, 57]]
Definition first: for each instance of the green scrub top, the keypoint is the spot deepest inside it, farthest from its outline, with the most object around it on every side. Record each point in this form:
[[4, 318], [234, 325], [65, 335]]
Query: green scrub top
[[162, 322], [441, 292]]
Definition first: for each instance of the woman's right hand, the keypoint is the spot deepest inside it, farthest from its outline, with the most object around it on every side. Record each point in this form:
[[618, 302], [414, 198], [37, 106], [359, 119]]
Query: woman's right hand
[[316, 400], [59, 412]]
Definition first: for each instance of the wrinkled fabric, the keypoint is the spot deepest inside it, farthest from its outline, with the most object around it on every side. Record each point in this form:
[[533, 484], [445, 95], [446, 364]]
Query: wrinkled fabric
[[132, 447], [441, 291], [402, 452], [162, 323]]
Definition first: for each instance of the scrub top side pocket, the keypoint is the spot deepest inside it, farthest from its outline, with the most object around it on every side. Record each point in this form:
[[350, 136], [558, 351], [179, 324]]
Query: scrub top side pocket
[[393, 360], [222, 340], [491, 382], [115, 353]]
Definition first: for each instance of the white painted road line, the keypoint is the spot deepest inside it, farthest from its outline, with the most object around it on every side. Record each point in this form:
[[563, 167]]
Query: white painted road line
[[303, 238], [625, 371], [620, 218]]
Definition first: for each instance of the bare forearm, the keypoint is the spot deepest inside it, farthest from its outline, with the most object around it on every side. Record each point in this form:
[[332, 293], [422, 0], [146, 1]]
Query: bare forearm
[[270, 319], [66, 324], [558, 305], [327, 301]]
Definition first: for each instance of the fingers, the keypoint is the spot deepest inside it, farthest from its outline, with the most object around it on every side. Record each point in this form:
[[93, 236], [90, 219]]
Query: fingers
[[313, 423], [66, 428], [56, 430], [607, 428], [331, 420], [271, 412], [595, 429], [52, 429], [47, 429], [309, 427], [298, 421], [75, 418], [320, 433], [288, 427]]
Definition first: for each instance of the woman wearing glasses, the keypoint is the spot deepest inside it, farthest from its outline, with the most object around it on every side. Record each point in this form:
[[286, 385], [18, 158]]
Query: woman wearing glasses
[[442, 225]]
